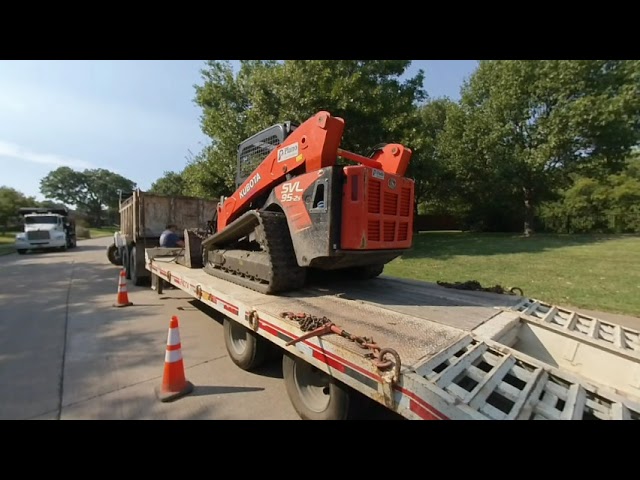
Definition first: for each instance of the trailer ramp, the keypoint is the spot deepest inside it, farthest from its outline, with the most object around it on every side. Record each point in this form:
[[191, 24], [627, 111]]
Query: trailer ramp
[[623, 338], [483, 380]]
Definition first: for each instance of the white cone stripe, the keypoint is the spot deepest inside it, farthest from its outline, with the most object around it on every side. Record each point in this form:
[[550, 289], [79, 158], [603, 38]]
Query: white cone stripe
[[172, 356], [173, 338]]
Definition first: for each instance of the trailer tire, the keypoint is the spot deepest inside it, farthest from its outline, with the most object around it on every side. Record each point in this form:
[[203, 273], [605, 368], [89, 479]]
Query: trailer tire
[[21, 251], [247, 349], [314, 394]]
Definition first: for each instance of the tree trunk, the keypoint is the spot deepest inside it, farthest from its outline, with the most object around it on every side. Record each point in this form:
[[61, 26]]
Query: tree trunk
[[528, 211], [96, 213]]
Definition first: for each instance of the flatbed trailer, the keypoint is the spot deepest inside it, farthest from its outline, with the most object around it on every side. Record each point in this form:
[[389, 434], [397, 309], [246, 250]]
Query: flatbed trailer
[[421, 350]]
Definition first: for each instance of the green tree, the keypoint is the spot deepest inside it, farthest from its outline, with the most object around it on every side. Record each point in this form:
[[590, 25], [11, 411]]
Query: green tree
[[90, 191], [209, 174], [10, 201], [598, 204], [526, 126], [376, 105], [428, 165], [171, 183]]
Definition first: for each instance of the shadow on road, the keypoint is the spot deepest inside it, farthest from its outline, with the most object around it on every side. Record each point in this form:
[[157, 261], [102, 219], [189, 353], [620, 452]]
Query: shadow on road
[[91, 248], [218, 390]]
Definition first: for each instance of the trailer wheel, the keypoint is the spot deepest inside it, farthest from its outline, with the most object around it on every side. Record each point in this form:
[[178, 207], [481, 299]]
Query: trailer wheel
[[313, 393], [21, 251], [246, 348]]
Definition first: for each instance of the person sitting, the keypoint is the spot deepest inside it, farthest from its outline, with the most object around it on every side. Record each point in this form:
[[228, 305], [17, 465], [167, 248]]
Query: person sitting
[[169, 238]]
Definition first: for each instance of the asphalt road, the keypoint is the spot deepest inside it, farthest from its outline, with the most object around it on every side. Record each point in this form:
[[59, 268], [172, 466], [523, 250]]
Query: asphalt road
[[67, 353]]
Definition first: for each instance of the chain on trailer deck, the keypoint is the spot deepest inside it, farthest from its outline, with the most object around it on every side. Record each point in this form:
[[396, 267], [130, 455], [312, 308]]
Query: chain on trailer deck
[[318, 326], [474, 285]]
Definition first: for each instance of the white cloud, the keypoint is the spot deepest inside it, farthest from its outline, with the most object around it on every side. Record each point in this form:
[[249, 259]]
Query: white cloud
[[17, 152]]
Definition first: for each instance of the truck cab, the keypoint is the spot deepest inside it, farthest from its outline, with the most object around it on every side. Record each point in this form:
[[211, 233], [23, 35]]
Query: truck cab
[[45, 229]]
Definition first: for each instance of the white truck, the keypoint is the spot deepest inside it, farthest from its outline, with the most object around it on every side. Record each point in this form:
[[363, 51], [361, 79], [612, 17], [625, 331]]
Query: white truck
[[46, 229], [419, 349]]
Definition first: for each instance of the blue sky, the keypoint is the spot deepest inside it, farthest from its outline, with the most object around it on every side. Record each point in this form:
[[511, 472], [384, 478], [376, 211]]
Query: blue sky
[[135, 118]]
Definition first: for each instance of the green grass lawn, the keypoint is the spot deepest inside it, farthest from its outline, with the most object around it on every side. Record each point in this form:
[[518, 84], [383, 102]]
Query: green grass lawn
[[102, 232], [599, 272], [6, 243]]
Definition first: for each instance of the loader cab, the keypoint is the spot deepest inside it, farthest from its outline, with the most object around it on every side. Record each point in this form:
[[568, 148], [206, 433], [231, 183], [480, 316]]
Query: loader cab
[[255, 149]]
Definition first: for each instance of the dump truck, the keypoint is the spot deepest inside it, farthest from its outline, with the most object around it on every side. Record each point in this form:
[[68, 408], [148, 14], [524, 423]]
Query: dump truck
[[46, 229], [143, 218], [294, 265]]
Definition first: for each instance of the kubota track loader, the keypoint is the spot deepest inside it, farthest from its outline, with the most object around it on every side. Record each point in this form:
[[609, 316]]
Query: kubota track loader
[[296, 209]]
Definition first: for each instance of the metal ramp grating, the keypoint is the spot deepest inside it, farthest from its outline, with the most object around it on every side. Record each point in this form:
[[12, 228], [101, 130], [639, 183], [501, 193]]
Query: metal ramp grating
[[557, 399], [500, 386], [621, 337]]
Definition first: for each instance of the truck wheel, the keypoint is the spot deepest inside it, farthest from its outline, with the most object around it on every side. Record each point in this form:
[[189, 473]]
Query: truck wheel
[[136, 279], [246, 348], [21, 251], [114, 255], [313, 393], [125, 262]]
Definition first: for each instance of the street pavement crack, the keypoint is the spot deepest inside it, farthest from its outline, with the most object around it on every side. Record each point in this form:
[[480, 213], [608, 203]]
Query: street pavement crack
[[64, 342]]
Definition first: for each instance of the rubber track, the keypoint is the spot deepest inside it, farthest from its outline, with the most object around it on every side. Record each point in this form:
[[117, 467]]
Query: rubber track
[[284, 274]]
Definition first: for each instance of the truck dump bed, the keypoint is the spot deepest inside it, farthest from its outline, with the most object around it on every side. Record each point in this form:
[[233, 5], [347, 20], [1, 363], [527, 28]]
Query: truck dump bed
[[463, 354], [145, 215]]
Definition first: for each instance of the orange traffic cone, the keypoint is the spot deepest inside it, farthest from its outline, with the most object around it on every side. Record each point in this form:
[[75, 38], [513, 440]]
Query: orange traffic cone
[[174, 383], [122, 300]]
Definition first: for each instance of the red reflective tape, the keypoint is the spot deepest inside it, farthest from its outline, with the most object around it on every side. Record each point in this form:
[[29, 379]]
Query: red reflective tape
[[210, 297], [230, 308], [174, 347], [268, 328], [421, 407], [421, 411], [329, 361]]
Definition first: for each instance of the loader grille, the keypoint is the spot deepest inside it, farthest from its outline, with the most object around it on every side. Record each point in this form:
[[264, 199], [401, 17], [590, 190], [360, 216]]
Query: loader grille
[[393, 224], [38, 235]]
